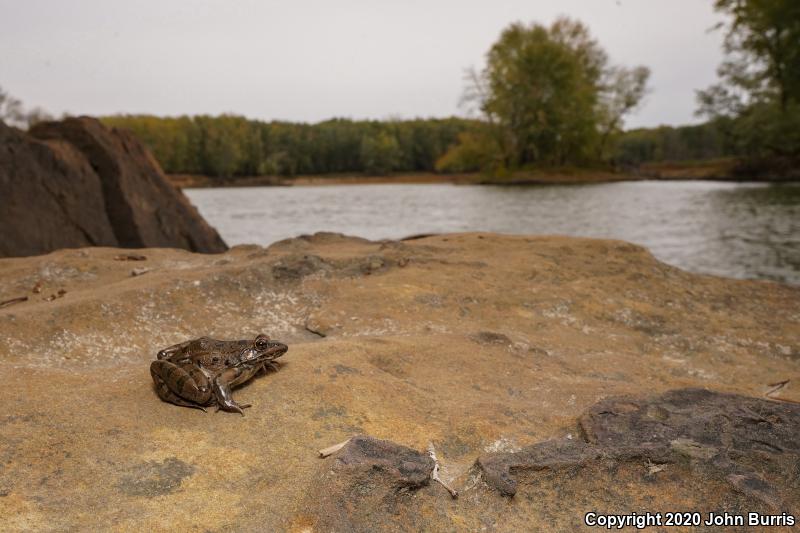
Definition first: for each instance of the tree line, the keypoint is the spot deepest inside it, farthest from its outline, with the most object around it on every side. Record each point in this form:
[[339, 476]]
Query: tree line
[[230, 145], [669, 143]]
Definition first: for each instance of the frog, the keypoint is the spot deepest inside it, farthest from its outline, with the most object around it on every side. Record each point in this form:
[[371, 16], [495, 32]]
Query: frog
[[201, 372]]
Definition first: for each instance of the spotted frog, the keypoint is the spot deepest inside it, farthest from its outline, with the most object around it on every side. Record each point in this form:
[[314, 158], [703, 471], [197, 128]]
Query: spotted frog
[[201, 372]]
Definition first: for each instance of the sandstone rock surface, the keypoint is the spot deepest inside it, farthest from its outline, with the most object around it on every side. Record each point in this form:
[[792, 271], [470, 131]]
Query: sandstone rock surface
[[76, 183], [567, 372]]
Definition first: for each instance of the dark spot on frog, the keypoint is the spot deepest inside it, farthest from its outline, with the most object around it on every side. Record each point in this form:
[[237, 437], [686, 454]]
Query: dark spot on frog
[[152, 478], [490, 337]]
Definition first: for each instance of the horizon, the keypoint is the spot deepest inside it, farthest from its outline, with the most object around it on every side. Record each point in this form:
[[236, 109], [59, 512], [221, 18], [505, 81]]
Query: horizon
[[352, 61]]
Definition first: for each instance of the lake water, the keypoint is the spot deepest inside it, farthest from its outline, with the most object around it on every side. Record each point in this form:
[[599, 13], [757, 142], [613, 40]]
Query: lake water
[[741, 230]]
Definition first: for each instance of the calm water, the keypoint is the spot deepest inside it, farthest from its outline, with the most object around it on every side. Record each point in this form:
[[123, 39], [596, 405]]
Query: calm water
[[731, 229]]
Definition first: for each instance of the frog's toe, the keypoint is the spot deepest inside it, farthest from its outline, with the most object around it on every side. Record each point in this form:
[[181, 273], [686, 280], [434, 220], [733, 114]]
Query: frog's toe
[[233, 407]]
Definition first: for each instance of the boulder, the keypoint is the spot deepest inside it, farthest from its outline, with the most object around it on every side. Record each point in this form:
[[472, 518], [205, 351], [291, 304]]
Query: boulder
[[51, 197], [144, 209]]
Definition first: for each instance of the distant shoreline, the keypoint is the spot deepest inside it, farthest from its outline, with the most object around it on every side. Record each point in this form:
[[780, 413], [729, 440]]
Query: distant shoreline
[[200, 181], [711, 170]]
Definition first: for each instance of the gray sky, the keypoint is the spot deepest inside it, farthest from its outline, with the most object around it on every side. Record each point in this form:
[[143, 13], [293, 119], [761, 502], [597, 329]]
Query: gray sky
[[308, 60]]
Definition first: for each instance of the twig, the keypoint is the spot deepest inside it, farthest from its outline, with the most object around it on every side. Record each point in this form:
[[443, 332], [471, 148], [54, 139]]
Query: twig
[[13, 301], [775, 388], [330, 450], [435, 473], [778, 385]]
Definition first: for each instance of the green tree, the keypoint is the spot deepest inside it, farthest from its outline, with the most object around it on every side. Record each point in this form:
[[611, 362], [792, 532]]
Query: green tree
[[762, 43], [548, 96], [622, 92], [756, 103], [380, 153]]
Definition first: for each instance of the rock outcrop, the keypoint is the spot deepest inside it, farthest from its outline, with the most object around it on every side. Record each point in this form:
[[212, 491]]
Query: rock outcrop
[[76, 183], [578, 375], [51, 197], [730, 437]]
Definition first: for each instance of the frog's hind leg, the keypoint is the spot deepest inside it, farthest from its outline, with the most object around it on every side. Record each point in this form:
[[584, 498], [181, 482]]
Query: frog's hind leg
[[222, 390], [176, 385], [168, 396]]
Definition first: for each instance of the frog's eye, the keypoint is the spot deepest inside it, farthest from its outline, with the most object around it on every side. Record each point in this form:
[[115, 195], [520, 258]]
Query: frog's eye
[[262, 343]]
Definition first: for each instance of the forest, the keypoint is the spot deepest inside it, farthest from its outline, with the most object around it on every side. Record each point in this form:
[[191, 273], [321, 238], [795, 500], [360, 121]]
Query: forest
[[229, 146]]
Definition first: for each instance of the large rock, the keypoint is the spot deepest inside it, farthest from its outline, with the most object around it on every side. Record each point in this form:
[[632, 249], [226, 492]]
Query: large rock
[[77, 183], [145, 210], [551, 359], [51, 197]]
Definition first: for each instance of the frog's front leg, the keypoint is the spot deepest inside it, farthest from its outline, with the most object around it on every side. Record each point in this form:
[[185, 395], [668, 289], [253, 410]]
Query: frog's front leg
[[222, 389], [182, 386], [269, 366]]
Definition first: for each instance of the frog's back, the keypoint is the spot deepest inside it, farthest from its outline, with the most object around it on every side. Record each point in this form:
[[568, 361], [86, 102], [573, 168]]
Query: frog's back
[[206, 346]]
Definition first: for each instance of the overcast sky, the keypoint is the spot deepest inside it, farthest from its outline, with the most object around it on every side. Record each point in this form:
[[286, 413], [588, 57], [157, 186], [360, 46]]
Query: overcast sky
[[307, 60]]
